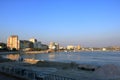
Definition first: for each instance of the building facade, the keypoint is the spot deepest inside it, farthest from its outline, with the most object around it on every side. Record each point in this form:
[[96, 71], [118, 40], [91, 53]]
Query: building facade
[[70, 47], [25, 44], [54, 46], [13, 43], [34, 41]]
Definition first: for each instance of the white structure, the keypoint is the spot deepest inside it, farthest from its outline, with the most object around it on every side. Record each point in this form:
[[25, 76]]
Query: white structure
[[69, 47], [33, 40], [54, 46], [38, 44], [104, 49]]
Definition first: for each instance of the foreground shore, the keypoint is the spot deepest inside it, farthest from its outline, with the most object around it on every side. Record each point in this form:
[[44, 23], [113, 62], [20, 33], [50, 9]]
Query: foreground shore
[[71, 70]]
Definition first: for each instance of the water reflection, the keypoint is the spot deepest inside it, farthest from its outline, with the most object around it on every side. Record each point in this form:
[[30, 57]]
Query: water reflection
[[13, 56], [51, 56], [80, 57]]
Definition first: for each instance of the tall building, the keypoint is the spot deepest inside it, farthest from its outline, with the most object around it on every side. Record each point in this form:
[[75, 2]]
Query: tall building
[[12, 42]]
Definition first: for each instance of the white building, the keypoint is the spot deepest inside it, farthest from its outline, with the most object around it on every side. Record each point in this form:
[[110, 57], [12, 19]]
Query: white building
[[54, 46], [38, 44], [70, 47], [104, 49]]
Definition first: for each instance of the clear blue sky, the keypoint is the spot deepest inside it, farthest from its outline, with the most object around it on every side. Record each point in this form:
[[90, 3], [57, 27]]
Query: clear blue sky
[[84, 22]]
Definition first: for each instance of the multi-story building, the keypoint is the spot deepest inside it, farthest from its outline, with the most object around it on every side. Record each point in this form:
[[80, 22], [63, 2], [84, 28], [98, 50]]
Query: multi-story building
[[54, 46], [25, 44], [34, 41], [37, 45], [13, 43], [44, 47]]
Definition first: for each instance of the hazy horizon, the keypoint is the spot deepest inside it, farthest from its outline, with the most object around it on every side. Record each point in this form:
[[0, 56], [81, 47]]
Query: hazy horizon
[[90, 23]]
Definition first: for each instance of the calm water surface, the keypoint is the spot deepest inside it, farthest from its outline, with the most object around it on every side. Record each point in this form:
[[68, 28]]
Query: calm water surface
[[96, 58]]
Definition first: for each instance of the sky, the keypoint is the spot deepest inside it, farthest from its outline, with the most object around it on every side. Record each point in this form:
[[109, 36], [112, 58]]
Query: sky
[[90, 23]]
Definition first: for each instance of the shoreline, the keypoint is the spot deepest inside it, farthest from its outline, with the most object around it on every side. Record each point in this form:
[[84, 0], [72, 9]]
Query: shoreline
[[33, 52], [42, 52], [72, 70]]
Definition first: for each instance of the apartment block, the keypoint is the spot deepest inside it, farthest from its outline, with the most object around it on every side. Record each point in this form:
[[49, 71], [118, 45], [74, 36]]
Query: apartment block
[[13, 42]]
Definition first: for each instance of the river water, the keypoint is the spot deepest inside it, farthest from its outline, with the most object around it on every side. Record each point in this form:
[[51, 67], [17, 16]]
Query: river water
[[95, 58]]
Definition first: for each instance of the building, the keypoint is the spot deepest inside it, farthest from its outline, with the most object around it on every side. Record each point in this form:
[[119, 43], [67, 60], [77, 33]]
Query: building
[[25, 44], [44, 47], [38, 45], [54, 46], [104, 49], [70, 47], [57, 46], [2, 46], [34, 41], [78, 47], [61, 48], [13, 43]]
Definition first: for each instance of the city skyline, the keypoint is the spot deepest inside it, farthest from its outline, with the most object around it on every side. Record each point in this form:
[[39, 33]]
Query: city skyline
[[85, 22]]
